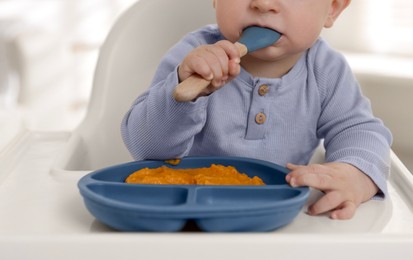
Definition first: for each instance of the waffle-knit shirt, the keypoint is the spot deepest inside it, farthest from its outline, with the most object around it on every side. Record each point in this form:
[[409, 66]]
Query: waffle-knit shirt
[[279, 120]]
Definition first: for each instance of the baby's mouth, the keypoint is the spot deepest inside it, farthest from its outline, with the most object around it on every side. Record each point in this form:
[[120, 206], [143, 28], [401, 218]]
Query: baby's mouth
[[261, 26], [255, 37]]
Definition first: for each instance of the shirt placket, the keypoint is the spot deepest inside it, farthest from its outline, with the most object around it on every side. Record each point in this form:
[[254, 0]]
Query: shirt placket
[[259, 111]]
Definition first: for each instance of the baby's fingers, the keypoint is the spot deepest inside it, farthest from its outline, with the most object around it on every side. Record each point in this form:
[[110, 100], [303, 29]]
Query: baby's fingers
[[346, 211], [315, 175], [328, 202], [231, 50], [225, 63], [322, 182], [195, 64], [233, 68]]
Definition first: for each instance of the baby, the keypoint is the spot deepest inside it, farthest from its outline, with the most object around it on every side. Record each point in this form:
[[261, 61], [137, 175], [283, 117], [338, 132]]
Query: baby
[[274, 104]]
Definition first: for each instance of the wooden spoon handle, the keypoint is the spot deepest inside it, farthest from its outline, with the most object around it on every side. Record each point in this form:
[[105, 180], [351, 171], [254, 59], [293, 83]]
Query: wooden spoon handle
[[190, 88]]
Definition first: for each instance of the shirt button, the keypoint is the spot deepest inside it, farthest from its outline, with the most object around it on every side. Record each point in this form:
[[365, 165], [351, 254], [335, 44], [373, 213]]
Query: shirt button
[[260, 118], [263, 90]]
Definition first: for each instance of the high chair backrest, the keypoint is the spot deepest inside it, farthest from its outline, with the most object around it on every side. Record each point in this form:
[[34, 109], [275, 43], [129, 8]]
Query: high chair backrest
[[126, 64]]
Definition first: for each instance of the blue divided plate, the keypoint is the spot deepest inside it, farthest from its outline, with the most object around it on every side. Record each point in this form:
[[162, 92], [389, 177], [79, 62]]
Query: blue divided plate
[[166, 208]]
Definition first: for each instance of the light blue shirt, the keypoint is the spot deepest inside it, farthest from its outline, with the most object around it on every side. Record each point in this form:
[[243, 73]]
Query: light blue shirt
[[319, 98]]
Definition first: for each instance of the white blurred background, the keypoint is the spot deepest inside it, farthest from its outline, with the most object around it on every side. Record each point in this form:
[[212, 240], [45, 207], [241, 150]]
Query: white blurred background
[[49, 48]]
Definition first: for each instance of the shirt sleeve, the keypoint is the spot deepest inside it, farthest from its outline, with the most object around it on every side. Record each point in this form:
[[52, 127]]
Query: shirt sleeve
[[351, 133], [156, 126]]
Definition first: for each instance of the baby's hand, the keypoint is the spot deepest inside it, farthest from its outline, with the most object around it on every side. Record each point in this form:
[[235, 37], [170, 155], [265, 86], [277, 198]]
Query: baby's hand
[[218, 63], [345, 187]]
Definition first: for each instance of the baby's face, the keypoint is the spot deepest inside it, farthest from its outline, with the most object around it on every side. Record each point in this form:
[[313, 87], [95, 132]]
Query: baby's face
[[299, 21]]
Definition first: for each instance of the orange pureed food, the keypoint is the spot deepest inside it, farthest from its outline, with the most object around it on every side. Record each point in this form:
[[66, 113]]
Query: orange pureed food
[[214, 175]]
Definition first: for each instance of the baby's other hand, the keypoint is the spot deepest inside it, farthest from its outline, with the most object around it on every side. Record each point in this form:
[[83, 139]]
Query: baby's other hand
[[345, 187], [218, 63]]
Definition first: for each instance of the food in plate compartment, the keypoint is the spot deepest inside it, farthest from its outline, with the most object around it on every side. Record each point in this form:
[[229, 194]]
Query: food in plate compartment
[[216, 174]]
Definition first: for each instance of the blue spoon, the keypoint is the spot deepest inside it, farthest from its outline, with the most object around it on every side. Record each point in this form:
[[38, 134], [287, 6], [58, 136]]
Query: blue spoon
[[253, 38]]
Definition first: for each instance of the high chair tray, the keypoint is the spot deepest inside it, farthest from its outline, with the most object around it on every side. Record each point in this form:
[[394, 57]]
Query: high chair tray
[[145, 207], [43, 217]]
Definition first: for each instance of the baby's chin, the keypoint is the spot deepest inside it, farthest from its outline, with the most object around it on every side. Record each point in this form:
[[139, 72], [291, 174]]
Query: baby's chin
[[270, 54]]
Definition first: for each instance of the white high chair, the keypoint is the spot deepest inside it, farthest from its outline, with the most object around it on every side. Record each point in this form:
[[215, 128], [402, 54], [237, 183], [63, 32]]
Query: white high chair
[[126, 65], [42, 213]]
